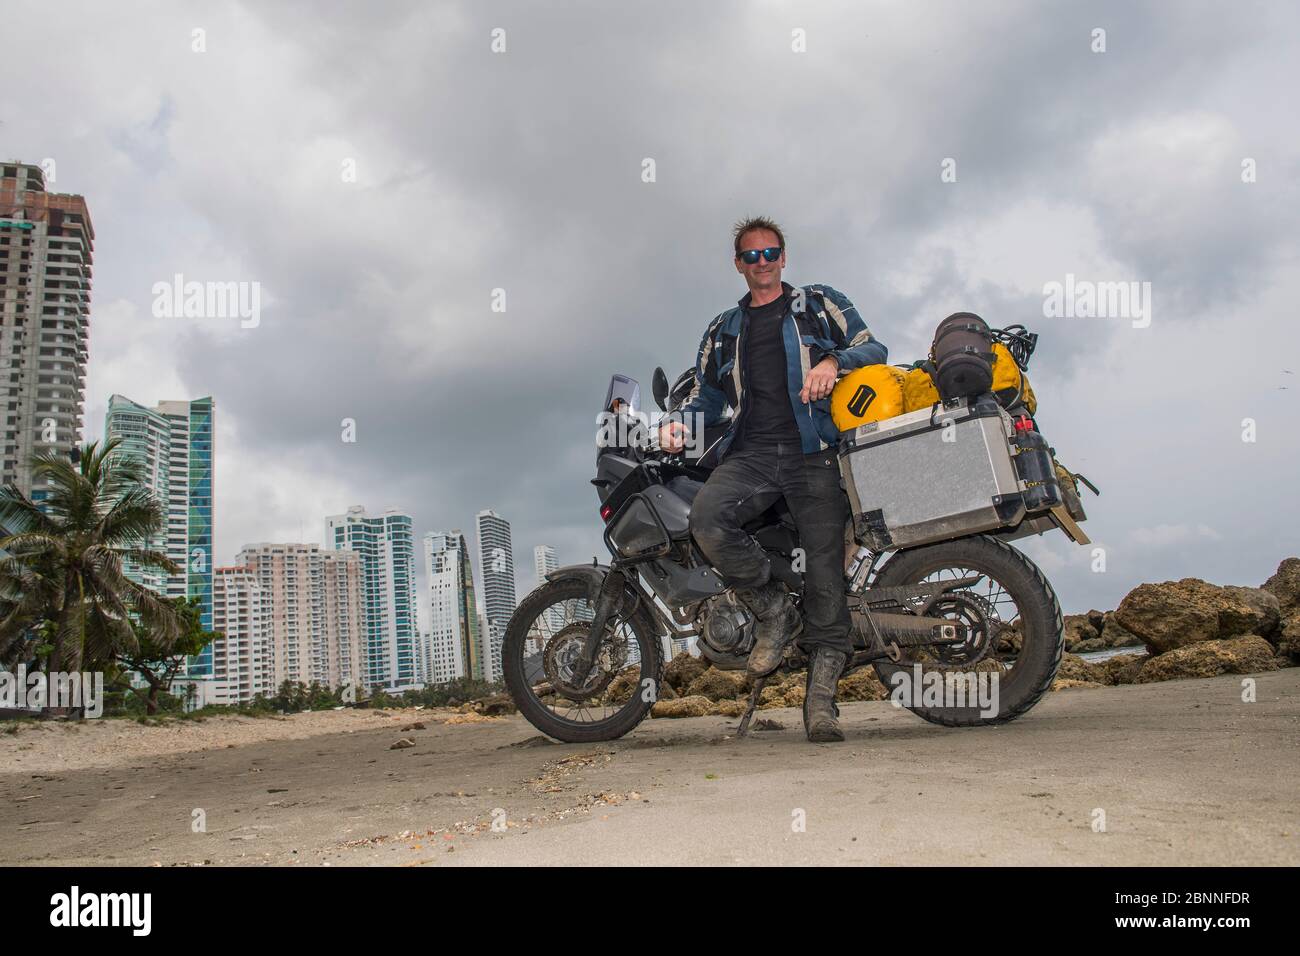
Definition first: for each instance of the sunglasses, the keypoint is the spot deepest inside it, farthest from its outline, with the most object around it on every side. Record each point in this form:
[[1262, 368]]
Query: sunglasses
[[750, 256]]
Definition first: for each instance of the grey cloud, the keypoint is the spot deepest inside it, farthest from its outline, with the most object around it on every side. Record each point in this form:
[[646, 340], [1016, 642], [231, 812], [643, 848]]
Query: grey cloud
[[521, 171]]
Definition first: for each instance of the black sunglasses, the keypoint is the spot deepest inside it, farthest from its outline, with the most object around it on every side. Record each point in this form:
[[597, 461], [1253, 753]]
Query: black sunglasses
[[750, 256]]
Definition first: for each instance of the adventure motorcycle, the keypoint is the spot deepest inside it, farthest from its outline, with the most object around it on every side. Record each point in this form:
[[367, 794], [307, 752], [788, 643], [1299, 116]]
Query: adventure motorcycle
[[583, 654]]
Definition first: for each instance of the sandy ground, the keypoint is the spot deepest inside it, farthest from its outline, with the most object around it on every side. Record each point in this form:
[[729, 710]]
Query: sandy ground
[[1184, 772]]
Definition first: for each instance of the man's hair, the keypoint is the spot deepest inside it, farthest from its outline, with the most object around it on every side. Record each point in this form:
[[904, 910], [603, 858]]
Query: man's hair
[[756, 222]]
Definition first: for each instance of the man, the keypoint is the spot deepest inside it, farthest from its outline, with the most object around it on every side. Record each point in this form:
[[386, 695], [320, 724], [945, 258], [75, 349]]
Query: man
[[774, 359]]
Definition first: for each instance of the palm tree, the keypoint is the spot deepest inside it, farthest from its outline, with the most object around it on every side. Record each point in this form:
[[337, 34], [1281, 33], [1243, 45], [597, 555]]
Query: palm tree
[[62, 577]]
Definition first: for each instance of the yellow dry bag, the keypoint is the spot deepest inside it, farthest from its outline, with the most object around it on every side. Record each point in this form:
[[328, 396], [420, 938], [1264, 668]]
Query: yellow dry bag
[[868, 394]]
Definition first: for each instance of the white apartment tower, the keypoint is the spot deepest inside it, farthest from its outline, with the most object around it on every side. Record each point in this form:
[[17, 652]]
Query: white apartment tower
[[242, 661], [543, 563], [385, 545], [46, 241], [497, 567], [314, 609], [339, 662], [455, 646]]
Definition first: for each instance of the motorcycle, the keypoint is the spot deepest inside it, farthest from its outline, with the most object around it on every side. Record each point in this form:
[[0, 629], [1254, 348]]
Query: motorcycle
[[584, 653]]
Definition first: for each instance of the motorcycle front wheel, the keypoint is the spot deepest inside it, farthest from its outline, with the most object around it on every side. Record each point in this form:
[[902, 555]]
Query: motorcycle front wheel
[[1015, 630], [543, 639]]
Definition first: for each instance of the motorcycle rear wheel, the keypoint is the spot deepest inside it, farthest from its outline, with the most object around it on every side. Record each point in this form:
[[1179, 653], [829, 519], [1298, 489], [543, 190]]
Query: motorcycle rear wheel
[[1010, 580], [552, 617]]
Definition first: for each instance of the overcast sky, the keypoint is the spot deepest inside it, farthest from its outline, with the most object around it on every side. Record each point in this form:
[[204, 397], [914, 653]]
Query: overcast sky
[[522, 170]]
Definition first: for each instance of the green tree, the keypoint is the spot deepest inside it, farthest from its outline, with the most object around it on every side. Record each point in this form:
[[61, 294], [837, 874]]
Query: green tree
[[62, 583], [158, 659]]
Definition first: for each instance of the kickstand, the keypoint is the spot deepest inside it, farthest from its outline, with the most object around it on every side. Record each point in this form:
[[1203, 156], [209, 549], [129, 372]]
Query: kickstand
[[754, 694]]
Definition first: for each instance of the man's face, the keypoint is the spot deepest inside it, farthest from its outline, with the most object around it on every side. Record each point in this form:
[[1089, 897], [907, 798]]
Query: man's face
[[762, 276]]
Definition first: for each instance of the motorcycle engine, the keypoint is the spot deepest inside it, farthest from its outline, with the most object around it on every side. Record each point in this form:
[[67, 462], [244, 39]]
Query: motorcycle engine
[[727, 626]]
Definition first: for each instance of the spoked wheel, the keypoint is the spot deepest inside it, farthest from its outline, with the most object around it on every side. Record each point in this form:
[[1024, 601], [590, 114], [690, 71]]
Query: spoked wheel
[[1013, 626], [543, 641]]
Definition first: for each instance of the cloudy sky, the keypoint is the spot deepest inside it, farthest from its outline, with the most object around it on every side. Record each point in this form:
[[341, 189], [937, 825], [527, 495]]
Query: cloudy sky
[[521, 170]]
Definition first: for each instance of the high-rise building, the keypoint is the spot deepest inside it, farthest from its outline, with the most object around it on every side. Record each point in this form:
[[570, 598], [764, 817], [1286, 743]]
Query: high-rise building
[[46, 241], [314, 610], [386, 547], [339, 663], [171, 444], [242, 663], [455, 644], [290, 577], [145, 438], [484, 644], [497, 566], [543, 563]]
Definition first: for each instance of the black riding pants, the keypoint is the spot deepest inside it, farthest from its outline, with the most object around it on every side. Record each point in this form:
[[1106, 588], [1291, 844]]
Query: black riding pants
[[747, 483]]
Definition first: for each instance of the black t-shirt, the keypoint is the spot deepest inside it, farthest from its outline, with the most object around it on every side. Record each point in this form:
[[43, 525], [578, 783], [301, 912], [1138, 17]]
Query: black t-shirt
[[767, 417]]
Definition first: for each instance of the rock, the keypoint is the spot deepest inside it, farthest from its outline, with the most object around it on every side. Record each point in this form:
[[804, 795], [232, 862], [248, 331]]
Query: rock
[[767, 723], [496, 706], [1097, 619], [1288, 642], [1067, 683], [1122, 668], [1079, 627], [402, 744], [861, 685], [1088, 646], [794, 694], [1075, 668], [1266, 604], [697, 706], [1242, 655], [720, 685], [1175, 614], [1115, 634], [1009, 639], [625, 682], [682, 670], [788, 693], [729, 708], [1285, 585]]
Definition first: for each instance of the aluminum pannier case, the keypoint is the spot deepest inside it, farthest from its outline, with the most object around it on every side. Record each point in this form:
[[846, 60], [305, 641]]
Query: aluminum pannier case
[[957, 468]]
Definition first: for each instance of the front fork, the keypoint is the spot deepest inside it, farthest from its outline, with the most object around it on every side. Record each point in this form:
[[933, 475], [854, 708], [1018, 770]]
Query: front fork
[[612, 589]]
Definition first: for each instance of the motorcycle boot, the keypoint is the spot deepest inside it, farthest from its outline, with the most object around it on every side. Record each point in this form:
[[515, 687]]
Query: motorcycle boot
[[819, 710], [777, 623]]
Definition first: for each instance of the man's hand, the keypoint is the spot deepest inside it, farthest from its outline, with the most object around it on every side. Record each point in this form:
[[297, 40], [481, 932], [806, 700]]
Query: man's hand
[[672, 437], [820, 380]]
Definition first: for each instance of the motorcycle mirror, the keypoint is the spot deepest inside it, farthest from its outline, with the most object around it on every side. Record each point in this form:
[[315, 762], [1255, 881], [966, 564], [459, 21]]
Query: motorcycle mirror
[[659, 387], [625, 391]]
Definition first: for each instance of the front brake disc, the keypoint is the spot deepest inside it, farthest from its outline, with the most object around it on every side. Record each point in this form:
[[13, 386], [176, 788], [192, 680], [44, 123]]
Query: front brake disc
[[562, 652]]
